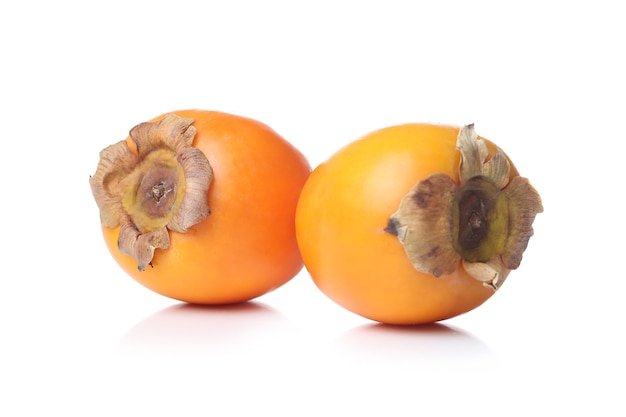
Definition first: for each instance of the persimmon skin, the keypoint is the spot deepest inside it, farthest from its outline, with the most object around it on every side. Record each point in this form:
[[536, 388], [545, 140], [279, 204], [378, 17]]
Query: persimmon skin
[[246, 247], [341, 218]]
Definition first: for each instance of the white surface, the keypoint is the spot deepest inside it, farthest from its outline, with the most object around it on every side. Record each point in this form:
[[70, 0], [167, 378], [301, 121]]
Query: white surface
[[545, 80]]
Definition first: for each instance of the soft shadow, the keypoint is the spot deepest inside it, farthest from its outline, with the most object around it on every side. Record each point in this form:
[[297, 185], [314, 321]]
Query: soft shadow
[[196, 329], [426, 344]]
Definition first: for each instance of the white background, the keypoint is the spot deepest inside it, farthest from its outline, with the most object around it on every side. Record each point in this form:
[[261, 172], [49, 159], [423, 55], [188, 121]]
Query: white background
[[544, 80]]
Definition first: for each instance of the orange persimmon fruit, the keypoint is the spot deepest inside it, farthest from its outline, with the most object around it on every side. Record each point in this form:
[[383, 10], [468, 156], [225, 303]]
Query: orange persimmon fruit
[[414, 223], [199, 206]]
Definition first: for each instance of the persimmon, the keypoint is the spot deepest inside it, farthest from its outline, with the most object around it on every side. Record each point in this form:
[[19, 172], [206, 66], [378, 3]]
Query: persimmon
[[199, 206], [414, 223]]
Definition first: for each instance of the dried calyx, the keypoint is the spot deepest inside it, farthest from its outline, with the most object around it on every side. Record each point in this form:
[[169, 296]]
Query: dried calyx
[[155, 183], [484, 222]]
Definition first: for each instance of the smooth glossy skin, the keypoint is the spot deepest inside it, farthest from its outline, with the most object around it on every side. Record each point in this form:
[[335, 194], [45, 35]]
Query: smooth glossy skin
[[343, 211], [247, 245]]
